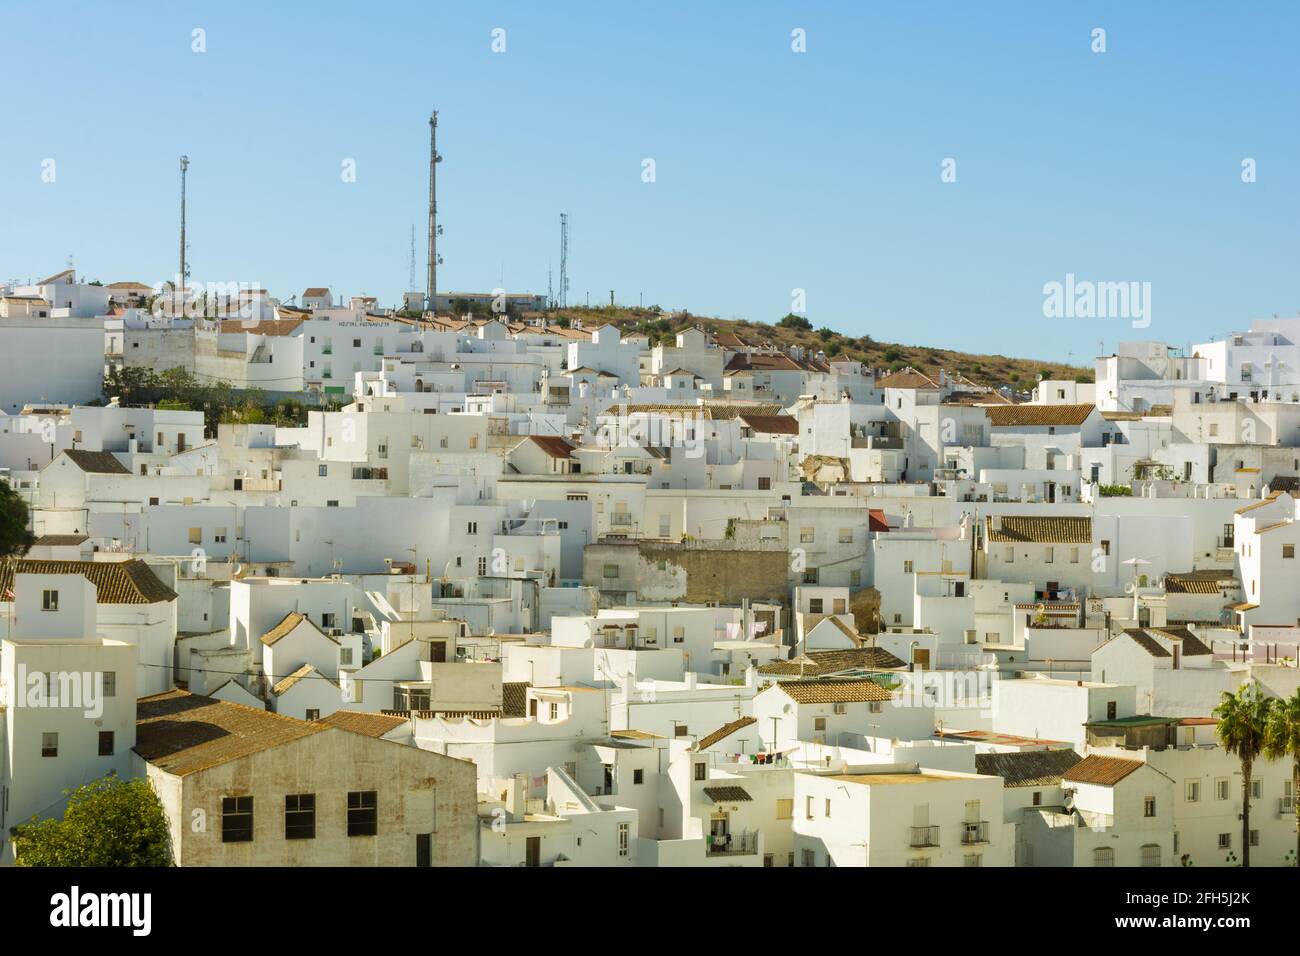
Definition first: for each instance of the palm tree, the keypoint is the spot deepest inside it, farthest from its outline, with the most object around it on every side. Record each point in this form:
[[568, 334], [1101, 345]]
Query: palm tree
[[1243, 721], [1282, 737]]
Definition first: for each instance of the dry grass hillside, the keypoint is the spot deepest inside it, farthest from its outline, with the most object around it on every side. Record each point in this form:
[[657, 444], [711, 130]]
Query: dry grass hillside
[[993, 370]]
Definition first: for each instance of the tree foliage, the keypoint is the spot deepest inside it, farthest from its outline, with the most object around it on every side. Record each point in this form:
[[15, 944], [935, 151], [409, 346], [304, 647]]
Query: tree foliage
[[1243, 724], [15, 539], [1282, 740], [176, 388], [108, 822]]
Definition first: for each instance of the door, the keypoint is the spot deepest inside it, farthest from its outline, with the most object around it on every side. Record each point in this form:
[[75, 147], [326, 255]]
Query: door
[[423, 849], [921, 655], [439, 652], [532, 708], [533, 852]]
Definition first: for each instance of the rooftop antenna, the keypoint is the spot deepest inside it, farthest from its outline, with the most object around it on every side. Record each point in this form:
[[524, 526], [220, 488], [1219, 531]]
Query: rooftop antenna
[[435, 230], [550, 287], [184, 273], [564, 260]]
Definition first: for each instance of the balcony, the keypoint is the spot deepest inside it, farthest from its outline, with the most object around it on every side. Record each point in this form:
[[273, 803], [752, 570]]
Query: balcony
[[976, 832], [1285, 806], [734, 844], [924, 836]]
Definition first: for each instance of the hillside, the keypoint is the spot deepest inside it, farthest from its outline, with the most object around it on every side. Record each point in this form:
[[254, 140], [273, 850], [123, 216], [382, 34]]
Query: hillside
[[993, 370]]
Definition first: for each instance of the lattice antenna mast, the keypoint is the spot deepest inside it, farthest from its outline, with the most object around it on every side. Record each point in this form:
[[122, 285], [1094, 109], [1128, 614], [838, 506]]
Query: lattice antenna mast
[[184, 273], [564, 260], [431, 286]]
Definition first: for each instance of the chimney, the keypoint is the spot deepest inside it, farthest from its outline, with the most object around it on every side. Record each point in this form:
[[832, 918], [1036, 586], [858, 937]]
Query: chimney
[[516, 798]]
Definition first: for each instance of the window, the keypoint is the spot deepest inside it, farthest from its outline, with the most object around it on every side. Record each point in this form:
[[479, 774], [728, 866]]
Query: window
[[679, 634], [815, 606], [1254, 838], [1103, 856], [785, 809], [638, 775], [345, 657], [323, 471], [1151, 854], [49, 600], [482, 567], [1105, 546], [807, 807], [846, 535], [1288, 550], [874, 707], [554, 711], [764, 483], [49, 745], [807, 535], [313, 715], [471, 527], [624, 831], [610, 571], [1225, 841], [701, 771], [1256, 788], [236, 819], [219, 535], [1221, 788], [1193, 791], [919, 861], [839, 708], [828, 806], [1149, 807], [819, 723], [109, 688], [300, 816], [106, 743], [1038, 798], [973, 859], [363, 813], [809, 856], [907, 567]]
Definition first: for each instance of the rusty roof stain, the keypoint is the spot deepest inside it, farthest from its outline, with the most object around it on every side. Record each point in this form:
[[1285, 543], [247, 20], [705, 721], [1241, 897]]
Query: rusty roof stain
[[1103, 771]]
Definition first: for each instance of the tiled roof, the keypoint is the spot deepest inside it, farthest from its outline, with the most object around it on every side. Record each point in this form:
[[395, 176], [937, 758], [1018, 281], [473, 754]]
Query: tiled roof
[[358, 722], [723, 732], [262, 326], [907, 378], [772, 424], [116, 582], [727, 794], [1027, 768], [181, 733], [1193, 646], [514, 698], [286, 625], [301, 673], [709, 411], [1195, 583], [834, 691], [553, 446], [315, 292], [1147, 642], [1011, 415], [1035, 530], [821, 663], [1105, 771], [59, 540], [96, 462]]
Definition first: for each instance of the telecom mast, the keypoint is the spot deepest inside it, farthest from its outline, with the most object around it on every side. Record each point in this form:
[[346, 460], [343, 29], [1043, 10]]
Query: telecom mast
[[184, 270], [564, 260], [435, 230]]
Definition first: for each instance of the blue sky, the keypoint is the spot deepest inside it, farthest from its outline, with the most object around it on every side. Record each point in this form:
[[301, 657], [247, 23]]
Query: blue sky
[[774, 170]]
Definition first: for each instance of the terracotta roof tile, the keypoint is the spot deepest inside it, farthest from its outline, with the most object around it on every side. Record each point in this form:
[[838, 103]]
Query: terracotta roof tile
[[1044, 530], [1104, 771], [834, 691], [116, 582]]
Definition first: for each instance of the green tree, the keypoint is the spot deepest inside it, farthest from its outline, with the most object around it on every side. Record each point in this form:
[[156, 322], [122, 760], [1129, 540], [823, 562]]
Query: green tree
[[15, 539], [108, 822], [1243, 722], [1282, 738], [792, 321]]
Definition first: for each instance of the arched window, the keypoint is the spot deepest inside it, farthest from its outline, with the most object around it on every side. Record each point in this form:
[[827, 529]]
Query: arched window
[[1103, 856]]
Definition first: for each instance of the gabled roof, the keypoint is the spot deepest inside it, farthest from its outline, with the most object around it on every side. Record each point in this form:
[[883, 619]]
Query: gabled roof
[[1147, 642], [1027, 768], [307, 670], [908, 378], [96, 462], [182, 733], [1193, 646], [315, 292], [286, 627], [723, 732], [553, 446], [59, 540], [823, 663], [1104, 771], [262, 326], [1041, 530], [116, 582], [359, 722], [772, 424], [1012, 415], [1196, 582], [834, 691]]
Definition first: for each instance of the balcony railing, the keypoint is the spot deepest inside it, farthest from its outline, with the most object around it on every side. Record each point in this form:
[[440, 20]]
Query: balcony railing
[[734, 844], [977, 832], [925, 836], [1285, 806]]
